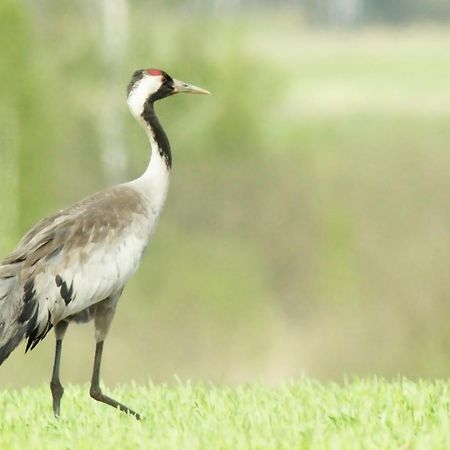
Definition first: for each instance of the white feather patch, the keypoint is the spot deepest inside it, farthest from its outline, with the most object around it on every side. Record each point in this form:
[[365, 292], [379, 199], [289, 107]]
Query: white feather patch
[[145, 87]]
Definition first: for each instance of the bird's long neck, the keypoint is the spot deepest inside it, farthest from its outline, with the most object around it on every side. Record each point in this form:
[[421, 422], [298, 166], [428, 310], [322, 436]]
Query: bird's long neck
[[154, 182], [158, 138]]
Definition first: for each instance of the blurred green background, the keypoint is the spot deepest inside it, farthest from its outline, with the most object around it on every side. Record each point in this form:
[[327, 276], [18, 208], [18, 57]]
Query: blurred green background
[[307, 228]]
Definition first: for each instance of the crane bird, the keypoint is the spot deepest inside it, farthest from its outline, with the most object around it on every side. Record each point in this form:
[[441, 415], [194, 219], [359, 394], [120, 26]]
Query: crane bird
[[73, 265]]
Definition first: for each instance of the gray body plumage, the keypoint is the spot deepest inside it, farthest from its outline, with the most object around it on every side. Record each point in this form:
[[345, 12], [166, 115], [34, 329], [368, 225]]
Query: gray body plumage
[[73, 265], [70, 261]]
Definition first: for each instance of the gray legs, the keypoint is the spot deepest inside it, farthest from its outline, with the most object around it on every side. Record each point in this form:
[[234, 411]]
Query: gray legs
[[55, 384], [96, 391], [104, 314]]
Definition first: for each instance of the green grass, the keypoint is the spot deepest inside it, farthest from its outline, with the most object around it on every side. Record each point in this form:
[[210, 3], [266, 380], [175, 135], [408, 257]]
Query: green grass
[[360, 414]]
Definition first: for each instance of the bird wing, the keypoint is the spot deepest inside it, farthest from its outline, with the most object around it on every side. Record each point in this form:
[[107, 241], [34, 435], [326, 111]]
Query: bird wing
[[69, 261]]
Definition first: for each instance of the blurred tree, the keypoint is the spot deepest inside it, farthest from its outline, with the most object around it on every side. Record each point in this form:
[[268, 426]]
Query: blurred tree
[[402, 11], [352, 12], [335, 12], [14, 48], [113, 46]]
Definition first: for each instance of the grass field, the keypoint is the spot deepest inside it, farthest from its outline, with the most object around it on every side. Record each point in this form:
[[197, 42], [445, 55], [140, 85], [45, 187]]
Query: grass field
[[358, 414]]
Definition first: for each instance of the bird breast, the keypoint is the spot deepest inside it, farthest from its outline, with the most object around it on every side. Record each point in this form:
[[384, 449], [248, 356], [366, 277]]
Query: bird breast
[[103, 245]]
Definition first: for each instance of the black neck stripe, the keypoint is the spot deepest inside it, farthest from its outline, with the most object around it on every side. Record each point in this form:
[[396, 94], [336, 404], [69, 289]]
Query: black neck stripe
[[148, 114]]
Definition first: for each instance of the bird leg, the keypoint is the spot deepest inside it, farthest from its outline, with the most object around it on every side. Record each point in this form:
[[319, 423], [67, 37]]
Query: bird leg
[[104, 314], [55, 384], [96, 391]]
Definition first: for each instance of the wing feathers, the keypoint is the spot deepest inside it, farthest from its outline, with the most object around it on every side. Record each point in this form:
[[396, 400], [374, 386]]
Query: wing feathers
[[68, 262]]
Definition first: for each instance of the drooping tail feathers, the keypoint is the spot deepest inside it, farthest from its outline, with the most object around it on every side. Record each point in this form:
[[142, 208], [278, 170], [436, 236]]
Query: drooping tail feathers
[[11, 333], [18, 314]]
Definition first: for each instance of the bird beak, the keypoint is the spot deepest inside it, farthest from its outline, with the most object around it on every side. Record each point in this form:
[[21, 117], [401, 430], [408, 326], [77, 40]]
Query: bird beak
[[181, 86]]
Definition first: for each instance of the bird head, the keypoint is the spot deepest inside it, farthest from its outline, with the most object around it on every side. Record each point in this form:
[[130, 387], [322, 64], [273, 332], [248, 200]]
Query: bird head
[[150, 85]]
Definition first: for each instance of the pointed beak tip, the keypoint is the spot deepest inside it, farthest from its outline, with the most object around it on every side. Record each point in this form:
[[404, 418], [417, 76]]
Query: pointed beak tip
[[181, 86]]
